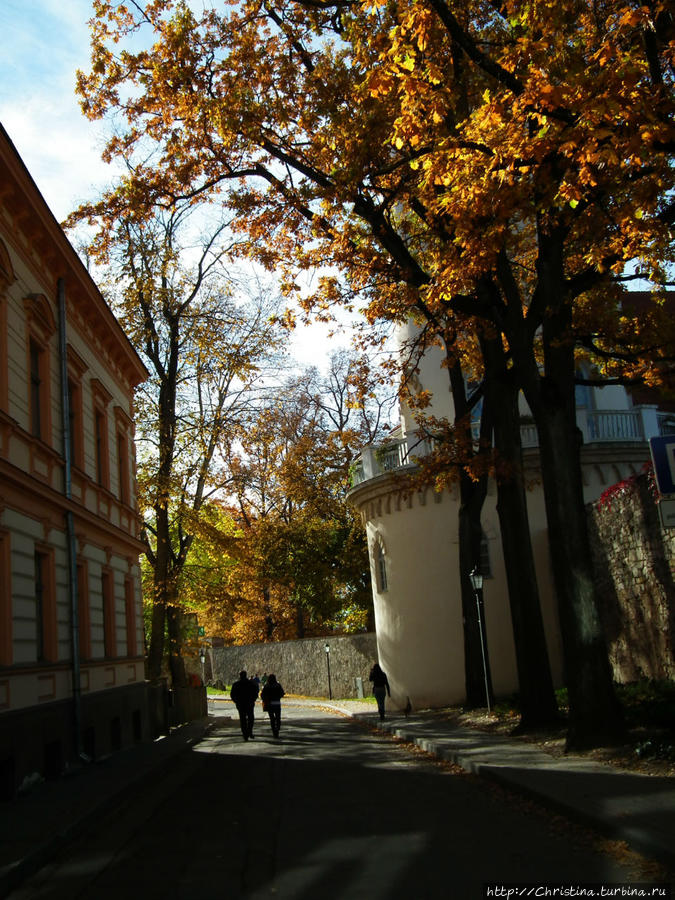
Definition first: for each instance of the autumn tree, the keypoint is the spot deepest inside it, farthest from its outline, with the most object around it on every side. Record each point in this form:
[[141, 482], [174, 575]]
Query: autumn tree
[[204, 342], [491, 169], [558, 178], [486, 414], [379, 261], [291, 469], [223, 576]]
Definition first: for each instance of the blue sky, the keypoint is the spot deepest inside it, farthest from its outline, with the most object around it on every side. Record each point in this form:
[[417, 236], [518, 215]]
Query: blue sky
[[44, 43]]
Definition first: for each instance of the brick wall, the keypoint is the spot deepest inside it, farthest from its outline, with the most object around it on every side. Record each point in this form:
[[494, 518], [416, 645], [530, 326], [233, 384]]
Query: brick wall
[[634, 558]]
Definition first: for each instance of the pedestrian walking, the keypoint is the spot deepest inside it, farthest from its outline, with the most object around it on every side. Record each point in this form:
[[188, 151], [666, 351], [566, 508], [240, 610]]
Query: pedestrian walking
[[271, 699], [244, 693], [380, 687]]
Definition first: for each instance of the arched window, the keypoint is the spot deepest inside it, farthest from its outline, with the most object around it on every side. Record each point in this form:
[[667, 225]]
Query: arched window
[[380, 568]]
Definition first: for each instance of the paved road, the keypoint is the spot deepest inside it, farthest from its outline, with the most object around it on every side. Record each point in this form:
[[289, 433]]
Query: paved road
[[332, 810]]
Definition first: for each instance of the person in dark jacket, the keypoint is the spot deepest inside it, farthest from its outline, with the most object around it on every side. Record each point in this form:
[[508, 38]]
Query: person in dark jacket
[[380, 687], [244, 693], [271, 698]]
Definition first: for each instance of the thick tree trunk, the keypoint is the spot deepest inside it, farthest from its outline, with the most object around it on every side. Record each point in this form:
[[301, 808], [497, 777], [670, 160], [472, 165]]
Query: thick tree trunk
[[299, 621], [269, 619], [595, 714], [160, 565], [594, 710], [537, 696], [176, 663], [472, 497], [156, 644]]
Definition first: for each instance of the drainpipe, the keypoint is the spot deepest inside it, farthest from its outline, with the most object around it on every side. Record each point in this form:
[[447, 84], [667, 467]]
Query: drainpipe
[[70, 529]]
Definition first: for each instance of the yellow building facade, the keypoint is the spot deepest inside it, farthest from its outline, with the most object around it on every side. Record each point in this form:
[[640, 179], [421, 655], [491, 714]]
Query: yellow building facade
[[72, 678]]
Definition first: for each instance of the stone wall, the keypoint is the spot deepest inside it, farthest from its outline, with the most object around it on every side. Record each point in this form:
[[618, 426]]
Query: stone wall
[[634, 559], [301, 666]]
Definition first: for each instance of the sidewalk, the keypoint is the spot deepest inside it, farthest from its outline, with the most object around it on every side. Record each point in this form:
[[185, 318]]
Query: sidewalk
[[35, 826], [639, 809]]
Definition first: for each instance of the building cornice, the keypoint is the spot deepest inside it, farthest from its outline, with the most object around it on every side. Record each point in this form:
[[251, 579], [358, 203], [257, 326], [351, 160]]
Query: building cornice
[[18, 487], [43, 242], [389, 493], [391, 484]]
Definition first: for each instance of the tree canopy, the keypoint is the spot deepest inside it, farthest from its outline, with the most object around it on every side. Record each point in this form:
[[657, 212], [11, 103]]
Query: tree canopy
[[491, 169], [289, 554]]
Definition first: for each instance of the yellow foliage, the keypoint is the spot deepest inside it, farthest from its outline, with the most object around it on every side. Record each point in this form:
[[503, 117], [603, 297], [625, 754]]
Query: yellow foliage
[[440, 158]]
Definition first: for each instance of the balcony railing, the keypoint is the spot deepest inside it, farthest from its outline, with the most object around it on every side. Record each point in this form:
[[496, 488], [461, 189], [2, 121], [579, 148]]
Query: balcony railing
[[666, 423], [635, 425], [394, 455], [624, 425]]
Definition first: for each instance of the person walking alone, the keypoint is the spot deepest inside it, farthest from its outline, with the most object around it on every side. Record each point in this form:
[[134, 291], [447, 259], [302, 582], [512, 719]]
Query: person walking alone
[[380, 687], [244, 693], [271, 699]]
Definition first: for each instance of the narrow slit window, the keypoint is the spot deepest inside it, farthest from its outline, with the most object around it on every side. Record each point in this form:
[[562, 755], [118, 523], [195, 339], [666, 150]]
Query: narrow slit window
[[381, 569]]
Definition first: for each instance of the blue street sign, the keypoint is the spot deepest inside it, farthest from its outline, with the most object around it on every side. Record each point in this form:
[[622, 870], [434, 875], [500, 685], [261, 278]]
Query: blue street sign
[[663, 457]]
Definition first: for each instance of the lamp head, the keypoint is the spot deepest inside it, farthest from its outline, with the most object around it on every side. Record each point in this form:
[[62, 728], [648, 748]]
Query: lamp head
[[476, 579]]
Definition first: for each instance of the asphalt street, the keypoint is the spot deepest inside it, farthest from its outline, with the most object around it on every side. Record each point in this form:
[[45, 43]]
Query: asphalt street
[[332, 809]]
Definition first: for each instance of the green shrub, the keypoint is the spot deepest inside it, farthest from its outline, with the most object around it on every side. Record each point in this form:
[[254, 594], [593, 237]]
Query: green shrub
[[648, 703]]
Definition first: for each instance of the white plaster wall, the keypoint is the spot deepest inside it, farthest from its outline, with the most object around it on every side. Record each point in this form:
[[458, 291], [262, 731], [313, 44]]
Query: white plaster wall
[[613, 397], [418, 620], [497, 609], [432, 377], [603, 474]]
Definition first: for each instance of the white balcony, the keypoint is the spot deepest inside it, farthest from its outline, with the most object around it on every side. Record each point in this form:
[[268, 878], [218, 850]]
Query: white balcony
[[613, 425], [393, 455], [635, 426]]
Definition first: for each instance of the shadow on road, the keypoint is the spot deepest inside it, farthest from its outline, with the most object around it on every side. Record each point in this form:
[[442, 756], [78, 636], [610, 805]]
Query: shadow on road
[[331, 810]]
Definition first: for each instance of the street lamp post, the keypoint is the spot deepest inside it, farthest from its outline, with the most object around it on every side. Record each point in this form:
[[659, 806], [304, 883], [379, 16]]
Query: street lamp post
[[202, 660], [477, 585], [327, 649]]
